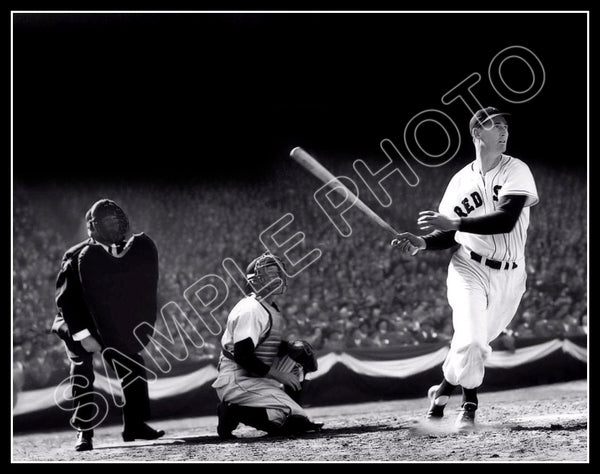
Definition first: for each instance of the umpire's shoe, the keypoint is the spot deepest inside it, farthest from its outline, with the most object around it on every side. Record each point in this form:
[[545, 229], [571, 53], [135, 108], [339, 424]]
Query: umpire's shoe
[[466, 417], [84, 441], [436, 411], [142, 431]]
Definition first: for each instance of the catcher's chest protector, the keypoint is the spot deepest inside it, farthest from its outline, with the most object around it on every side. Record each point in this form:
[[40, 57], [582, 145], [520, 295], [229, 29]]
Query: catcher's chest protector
[[268, 349], [121, 292]]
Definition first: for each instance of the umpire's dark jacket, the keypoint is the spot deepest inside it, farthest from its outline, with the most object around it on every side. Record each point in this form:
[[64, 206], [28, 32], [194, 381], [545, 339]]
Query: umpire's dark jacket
[[110, 296], [73, 314]]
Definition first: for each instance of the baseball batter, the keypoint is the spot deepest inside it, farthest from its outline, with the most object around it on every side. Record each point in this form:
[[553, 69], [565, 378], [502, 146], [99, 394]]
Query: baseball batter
[[257, 367], [485, 209]]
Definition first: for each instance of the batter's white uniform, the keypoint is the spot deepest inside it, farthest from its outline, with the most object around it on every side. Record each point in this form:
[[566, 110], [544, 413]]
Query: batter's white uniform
[[262, 322], [484, 300]]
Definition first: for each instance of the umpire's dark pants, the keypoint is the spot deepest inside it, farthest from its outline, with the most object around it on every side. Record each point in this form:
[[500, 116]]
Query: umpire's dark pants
[[136, 409]]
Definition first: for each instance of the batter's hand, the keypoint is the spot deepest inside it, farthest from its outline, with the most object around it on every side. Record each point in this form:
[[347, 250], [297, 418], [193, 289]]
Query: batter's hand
[[430, 220], [90, 344], [409, 243], [286, 378]]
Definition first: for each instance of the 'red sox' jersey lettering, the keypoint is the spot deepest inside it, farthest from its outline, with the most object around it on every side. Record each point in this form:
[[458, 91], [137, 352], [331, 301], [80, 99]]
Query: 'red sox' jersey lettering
[[470, 193]]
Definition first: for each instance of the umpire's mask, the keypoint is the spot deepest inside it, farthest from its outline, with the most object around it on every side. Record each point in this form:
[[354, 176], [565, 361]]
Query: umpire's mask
[[106, 222]]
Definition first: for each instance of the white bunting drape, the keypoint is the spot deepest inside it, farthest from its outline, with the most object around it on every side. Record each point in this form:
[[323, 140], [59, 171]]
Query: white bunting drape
[[165, 387]]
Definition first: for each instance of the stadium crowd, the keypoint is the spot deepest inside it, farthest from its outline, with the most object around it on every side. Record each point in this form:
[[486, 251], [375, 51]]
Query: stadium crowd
[[359, 293]]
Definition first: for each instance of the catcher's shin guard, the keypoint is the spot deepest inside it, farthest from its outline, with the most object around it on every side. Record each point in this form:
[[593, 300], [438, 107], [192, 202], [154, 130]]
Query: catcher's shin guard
[[256, 417], [228, 420]]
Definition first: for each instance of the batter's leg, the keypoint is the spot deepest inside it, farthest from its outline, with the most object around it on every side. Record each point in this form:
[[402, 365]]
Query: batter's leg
[[467, 295], [507, 289], [439, 396]]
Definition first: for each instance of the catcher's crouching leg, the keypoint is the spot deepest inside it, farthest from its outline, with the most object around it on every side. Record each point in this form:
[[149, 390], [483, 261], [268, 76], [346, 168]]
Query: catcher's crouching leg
[[299, 360], [231, 415], [228, 420]]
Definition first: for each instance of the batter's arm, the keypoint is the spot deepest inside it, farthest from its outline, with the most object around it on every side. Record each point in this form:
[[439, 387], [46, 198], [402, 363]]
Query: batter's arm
[[409, 243], [440, 240], [500, 221]]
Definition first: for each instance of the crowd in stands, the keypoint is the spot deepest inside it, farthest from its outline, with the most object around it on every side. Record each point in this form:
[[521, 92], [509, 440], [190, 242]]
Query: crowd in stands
[[359, 293]]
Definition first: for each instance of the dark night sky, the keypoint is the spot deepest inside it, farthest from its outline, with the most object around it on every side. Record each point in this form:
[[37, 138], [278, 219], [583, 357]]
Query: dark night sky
[[231, 93]]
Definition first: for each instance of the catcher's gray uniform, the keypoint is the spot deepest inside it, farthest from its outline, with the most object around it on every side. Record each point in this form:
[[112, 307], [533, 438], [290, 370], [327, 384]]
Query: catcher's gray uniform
[[256, 319]]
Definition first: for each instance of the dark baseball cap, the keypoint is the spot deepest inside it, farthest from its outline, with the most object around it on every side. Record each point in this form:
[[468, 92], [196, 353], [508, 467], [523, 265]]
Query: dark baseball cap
[[483, 115]]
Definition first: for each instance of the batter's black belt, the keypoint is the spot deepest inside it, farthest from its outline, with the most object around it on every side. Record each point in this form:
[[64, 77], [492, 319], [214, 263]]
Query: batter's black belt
[[495, 264]]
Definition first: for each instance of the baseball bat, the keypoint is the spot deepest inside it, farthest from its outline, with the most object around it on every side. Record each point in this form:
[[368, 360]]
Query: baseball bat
[[317, 169]]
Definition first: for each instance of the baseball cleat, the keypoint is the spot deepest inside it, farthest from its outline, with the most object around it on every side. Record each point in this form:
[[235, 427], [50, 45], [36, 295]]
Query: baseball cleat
[[297, 424], [436, 410], [84, 441], [465, 421]]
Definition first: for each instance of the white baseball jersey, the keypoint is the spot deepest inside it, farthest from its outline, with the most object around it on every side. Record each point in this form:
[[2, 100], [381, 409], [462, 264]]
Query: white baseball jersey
[[471, 194], [248, 319]]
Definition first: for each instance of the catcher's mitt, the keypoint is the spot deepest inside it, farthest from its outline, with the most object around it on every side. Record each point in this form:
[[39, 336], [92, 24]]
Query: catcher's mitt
[[301, 352]]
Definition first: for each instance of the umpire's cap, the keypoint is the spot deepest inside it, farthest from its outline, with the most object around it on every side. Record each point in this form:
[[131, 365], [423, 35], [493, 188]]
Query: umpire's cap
[[103, 208]]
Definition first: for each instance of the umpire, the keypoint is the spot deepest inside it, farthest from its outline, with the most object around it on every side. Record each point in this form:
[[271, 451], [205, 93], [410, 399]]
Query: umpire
[[106, 288]]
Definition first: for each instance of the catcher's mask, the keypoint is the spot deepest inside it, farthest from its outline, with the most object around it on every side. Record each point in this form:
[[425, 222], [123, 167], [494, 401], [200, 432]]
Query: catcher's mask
[[266, 275], [106, 222]]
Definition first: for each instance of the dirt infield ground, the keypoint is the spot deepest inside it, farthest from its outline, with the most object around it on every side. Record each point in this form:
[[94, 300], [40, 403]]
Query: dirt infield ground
[[546, 423]]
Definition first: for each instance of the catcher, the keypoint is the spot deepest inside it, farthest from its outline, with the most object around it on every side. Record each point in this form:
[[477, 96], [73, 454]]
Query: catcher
[[260, 375]]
